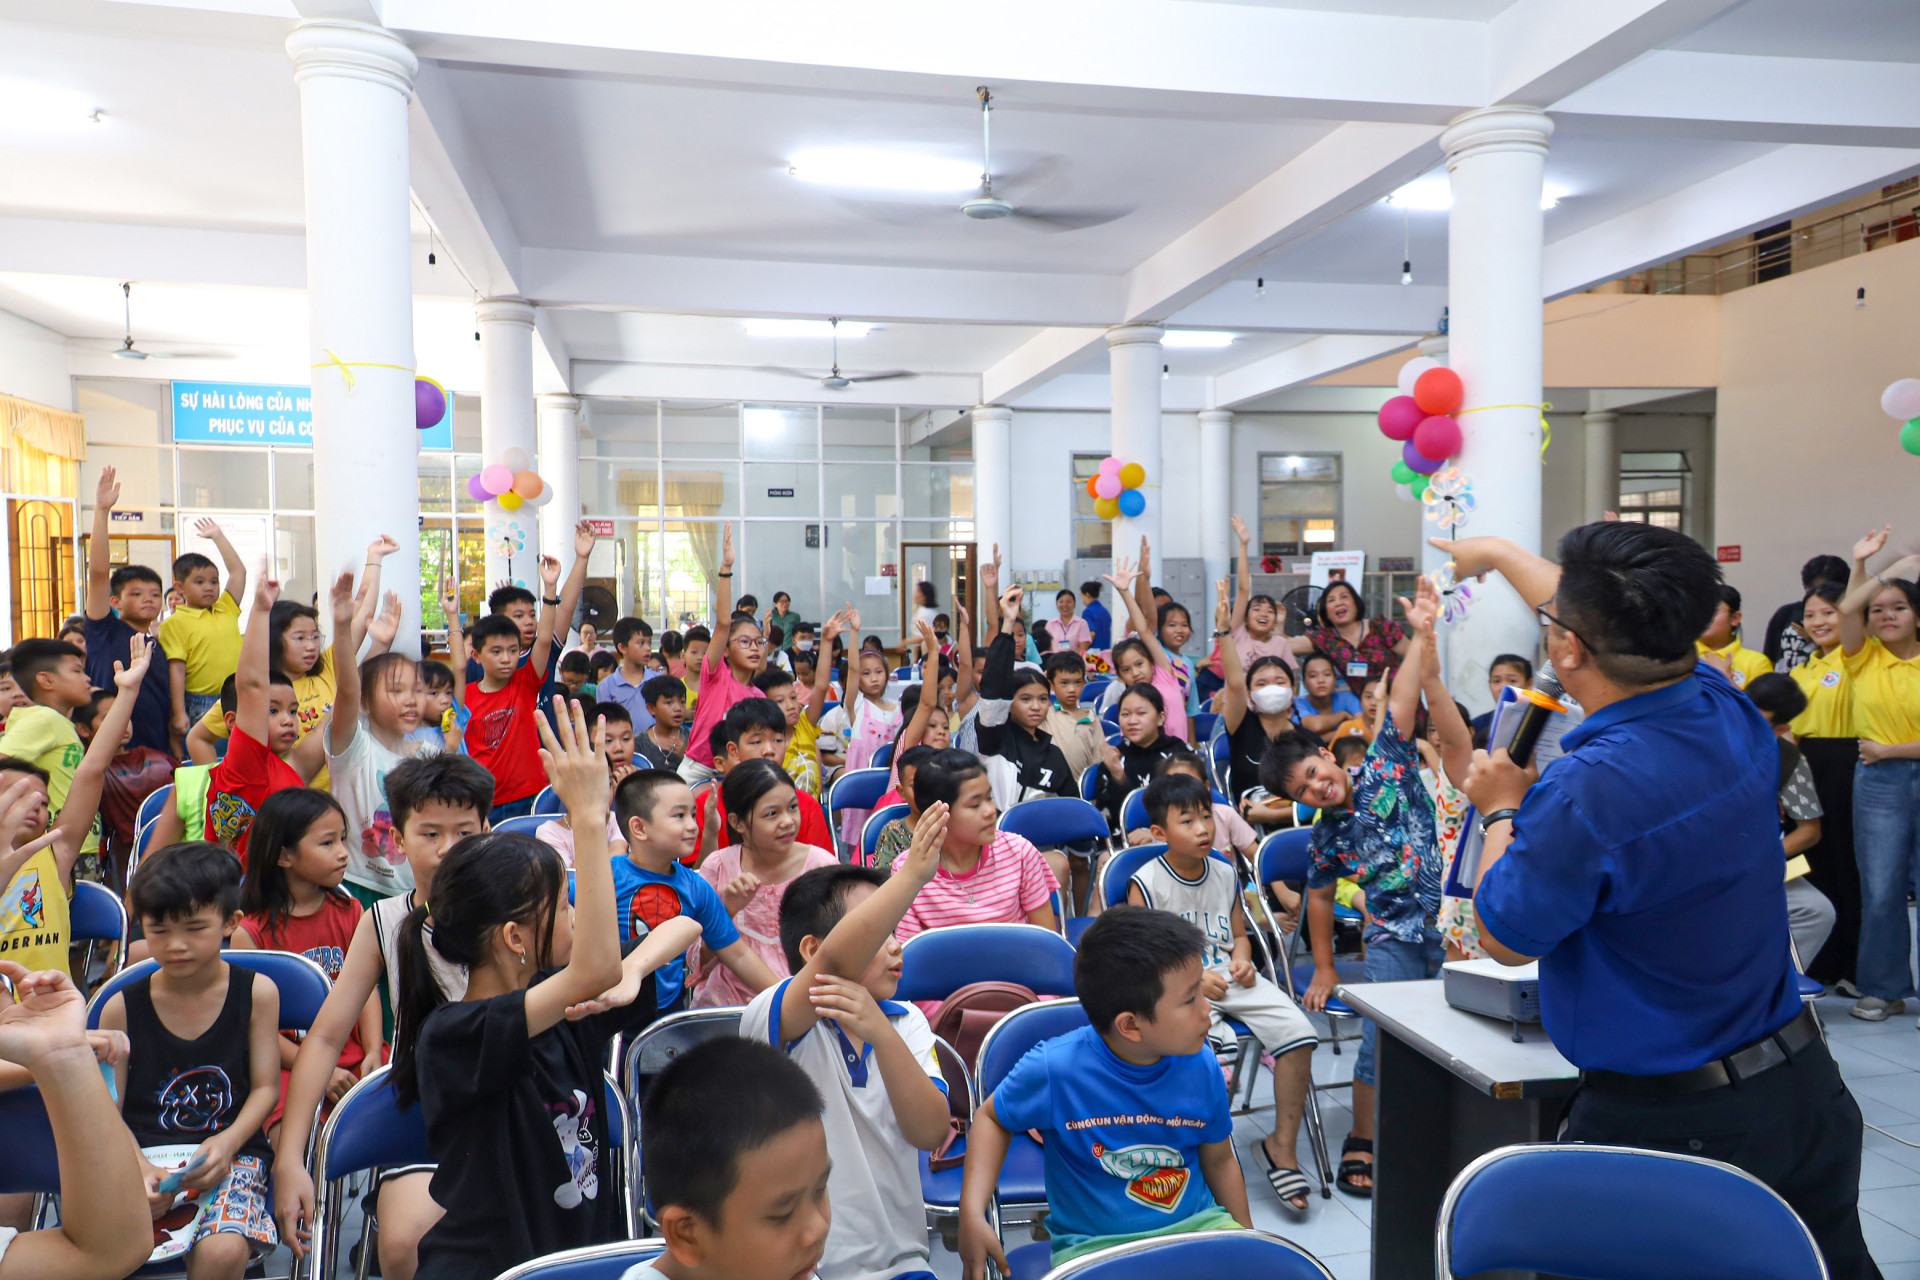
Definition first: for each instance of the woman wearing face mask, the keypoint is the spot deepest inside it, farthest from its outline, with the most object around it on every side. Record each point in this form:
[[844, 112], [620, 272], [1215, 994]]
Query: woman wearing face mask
[[1256, 706], [1363, 650], [1824, 732], [1143, 716]]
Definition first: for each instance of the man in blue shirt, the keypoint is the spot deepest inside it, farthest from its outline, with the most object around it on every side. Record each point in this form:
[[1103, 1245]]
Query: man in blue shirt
[[1645, 871], [1095, 615]]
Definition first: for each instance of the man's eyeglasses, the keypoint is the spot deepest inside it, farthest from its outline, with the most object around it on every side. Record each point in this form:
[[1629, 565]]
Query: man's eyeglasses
[[1548, 620]]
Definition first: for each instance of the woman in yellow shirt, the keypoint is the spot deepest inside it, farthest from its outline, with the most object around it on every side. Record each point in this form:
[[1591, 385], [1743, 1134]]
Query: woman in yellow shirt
[[1827, 743], [1882, 656]]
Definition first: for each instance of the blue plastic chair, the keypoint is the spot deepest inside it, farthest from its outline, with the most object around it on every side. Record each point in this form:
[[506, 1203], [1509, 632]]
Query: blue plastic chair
[[303, 985], [854, 789], [1220, 754], [1285, 855], [1090, 782], [95, 915], [527, 824], [157, 799], [32, 1166], [1199, 1255], [1092, 691], [939, 962], [1643, 1215], [595, 1262], [547, 804], [1133, 809], [1023, 1180], [1052, 821], [883, 757], [1204, 723], [876, 823]]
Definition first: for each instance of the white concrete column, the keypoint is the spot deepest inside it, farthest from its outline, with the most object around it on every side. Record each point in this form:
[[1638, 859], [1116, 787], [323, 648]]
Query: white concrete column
[[356, 82], [506, 422], [1134, 353], [1495, 158], [1603, 464], [1216, 498], [993, 481], [559, 466]]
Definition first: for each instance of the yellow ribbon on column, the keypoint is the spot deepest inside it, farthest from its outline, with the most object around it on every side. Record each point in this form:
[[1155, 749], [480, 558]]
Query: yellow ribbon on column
[[346, 367], [1546, 428]]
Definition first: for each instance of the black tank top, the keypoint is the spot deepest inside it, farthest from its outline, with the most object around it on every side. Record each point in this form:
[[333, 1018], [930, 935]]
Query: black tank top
[[185, 1091]]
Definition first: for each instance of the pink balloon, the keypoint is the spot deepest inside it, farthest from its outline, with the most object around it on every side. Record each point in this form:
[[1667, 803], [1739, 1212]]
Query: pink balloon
[[1437, 437], [496, 479], [1418, 462], [1398, 417], [1107, 485], [1110, 467]]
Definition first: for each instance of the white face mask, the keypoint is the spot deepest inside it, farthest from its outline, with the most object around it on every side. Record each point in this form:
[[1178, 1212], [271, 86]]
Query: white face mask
[[803, 646], [1272, 699]]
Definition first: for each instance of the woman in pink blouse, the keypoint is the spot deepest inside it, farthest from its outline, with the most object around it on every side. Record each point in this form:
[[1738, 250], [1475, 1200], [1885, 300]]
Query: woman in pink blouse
[[1068, 631]]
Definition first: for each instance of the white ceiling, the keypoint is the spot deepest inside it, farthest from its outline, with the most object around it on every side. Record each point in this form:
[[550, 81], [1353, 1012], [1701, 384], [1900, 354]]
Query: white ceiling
[[1853, 30]]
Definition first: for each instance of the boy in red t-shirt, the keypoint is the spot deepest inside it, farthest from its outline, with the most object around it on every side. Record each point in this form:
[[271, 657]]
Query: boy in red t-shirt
[[265, 752], [500, 733]]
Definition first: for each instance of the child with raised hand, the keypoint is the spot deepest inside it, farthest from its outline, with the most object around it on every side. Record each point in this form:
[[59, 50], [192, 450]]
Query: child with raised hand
[[837, 1020], [202, 637], [291, 900], [505, 702], [105, 1230], [203, 1061], [1014, 700], [53, 675], [121, 603], [752, 872], [1143, 717], [1257, 704], [1133, 1108], [1205, 891], [508, 1078], [437, 801], [724, 673], [1140, 659], [865, 722]]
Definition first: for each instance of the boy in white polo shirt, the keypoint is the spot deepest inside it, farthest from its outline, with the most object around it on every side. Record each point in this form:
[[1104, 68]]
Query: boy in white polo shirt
[[871, 1058]]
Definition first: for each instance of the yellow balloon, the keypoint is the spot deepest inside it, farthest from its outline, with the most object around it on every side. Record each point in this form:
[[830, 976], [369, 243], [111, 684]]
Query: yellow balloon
[[1132, 476], [510, 501], [1106, 508]]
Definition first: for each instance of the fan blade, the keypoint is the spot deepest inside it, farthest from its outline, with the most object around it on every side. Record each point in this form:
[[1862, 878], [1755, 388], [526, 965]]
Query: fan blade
[[880, 377], [1056, 220], [809, 374]]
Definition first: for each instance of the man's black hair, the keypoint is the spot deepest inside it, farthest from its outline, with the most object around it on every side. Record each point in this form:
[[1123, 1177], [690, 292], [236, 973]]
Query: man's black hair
[[749, 714], [230, 689], [1283, 754], [663, 687], [770, 679], [1090, 588], [710, 1106], [132, 573], [613, 713], [1638, 596], [637, 794], [503, 596], [1062, 660], [1124, 958], [1176, 791], [1523, 665], [1824, 569], [1779, 695], [31, 658], [815, 902], [1730, 596], [627, 628], [576, 664], [495, 625], [175, 883], [190, 562], [939, 778], [455, 780]]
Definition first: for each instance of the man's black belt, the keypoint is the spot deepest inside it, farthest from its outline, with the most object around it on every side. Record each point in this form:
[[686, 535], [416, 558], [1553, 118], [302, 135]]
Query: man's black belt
[[1764, 1054]]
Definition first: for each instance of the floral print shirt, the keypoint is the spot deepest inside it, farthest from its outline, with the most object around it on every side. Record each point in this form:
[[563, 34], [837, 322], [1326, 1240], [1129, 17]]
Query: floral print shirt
[[1375, 650], [1386, 843]]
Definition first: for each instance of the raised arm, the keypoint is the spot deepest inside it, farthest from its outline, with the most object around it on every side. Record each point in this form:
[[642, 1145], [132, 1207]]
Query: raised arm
[[1143, 585], [346, 697], [1233, 698], [1404, 696], [823, 665], [383, 628], [1535, 577], [1243, 589], [584, 539], [456, 638], [990, 593], [236, 567], [89, 780], [963, 688], [576, 766], [929, 691], [1860, 588], [368, 596], [99, 550], [1453, 736], [723, 603], [250, 683], [1122, 578]]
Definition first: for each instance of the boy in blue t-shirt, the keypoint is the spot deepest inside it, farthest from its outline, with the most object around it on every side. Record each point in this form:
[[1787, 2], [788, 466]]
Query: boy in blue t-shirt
[[1131, 1108], [651, 884]]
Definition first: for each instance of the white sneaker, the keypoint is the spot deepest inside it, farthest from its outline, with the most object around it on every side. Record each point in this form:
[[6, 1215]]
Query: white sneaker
[[1847, 989], [1874, 1009]]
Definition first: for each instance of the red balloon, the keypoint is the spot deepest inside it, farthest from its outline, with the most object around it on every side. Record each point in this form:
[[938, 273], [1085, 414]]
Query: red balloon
[[1437, 437], [1439, 391], [1398, 417]]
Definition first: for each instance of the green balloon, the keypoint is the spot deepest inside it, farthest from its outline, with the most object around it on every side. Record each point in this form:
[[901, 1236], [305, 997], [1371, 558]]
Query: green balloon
[[1403, 474], [1420, 483], [1910, 436]]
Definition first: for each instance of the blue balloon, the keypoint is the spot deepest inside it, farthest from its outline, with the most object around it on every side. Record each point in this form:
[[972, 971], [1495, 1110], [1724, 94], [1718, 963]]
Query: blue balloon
[[1132, 503]]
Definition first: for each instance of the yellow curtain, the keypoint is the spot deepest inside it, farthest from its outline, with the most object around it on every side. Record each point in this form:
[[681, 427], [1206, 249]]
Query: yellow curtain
[[43, 449], [691, 495]]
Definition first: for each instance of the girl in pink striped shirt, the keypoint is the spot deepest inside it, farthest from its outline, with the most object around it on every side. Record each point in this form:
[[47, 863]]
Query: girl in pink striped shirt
[[986, 876]]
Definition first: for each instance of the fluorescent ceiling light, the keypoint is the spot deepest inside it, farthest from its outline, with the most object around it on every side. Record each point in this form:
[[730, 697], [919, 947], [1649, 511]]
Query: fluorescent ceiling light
[[1435, 195], [25, 107], [883, 170], [807, 328], [1197, 339]]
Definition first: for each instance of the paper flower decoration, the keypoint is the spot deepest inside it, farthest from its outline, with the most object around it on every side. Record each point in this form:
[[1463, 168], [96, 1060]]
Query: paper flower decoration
[[1455, 595], [509, 535], [1449, 498]]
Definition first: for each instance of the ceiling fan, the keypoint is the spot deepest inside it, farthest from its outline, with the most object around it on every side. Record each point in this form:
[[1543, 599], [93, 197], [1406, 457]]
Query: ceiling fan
[[127, 351], [835, 380]]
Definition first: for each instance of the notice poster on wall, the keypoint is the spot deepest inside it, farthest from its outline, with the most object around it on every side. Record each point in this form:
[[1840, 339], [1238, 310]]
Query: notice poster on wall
[[256, 413], [1337, 566]]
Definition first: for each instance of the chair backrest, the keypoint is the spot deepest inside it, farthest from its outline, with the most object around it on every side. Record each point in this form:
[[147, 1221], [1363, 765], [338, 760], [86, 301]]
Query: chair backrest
[[1204, 723], [1284, 855], [96, 914], [1055, 820], [157, 799], [857, 789], [939, 962], [547, 804], [367, 1130], [876, 823], [1201, 1254], [1018, 1032], [663, 1041], [883, 757], [1643, 1215], [595, 1262], [303, 984], [1090, 782], [1133, 810], [32, 1167], [525, 825], [141, 839]]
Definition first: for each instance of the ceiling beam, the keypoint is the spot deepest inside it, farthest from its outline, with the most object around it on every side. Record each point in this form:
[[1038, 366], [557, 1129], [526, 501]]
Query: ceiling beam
[[1037, 361], [454, 191], [1304, 363], [1539, 51], [128, 251], [720, 383], [1294, 306]]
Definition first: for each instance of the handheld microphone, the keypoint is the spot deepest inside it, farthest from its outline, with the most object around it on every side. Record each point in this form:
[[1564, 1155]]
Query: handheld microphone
[[1522, 723]]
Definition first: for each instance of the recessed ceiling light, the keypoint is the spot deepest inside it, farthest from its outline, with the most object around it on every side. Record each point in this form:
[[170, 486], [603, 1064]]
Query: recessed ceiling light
[[1435, 195], [883, 170], [25, 106], [1197, 339], [806, 328]]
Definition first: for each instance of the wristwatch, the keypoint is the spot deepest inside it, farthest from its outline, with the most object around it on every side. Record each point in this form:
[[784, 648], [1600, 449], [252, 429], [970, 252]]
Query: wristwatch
[[1499, 815]]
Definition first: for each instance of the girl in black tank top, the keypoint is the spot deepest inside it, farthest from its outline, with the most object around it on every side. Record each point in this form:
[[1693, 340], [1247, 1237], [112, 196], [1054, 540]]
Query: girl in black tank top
[[186, 1091]]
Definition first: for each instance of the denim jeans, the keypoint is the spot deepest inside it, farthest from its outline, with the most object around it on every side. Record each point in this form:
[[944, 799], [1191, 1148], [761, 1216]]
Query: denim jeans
[[1391, 960], [1886, 843]]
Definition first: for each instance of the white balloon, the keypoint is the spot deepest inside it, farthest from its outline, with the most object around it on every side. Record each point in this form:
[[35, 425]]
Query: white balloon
[[1404, 492], [1410, 372], [1901, 400], [517, 460], [546, 496]]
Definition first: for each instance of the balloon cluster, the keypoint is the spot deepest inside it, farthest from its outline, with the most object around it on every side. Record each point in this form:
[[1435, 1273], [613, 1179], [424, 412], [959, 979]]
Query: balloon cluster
[[1422, 418], [510, 483], [1901, 402], [1115, 489], [429, 403]]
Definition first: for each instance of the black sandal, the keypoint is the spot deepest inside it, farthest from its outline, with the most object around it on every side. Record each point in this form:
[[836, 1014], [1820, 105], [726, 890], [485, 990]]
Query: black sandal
[[1343, 1178]]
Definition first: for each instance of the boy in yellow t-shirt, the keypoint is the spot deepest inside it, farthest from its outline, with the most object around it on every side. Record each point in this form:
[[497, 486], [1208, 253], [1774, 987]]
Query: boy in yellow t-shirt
[[1721, 640], [53, 674], [202, 637]]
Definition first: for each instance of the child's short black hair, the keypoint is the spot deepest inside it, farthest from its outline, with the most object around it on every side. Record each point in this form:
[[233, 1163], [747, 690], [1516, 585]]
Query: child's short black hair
[[1179, 757], [627, 628], [939, 778], [637, 794], [912, 758], [815, 902], [1779, 696], [1176, 791], [576, 664], [496, 625], [32, 657], [14, 764], [602, 662], [1090, 588], [190, 562], [1283, 755], [1523, 665], [1348, 750], [1730, 596], [132, 573], [1124, 958], [89, 715], [749, 714], [502, 597], [772, 678], [672, 643], [717, 740], [697, 632], [799, 627], [455, 780], [230, 689], [670, 687], [436, 675], [748, 604], [710, 1106], [1063, 660], [613, 713], [181, 879]]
